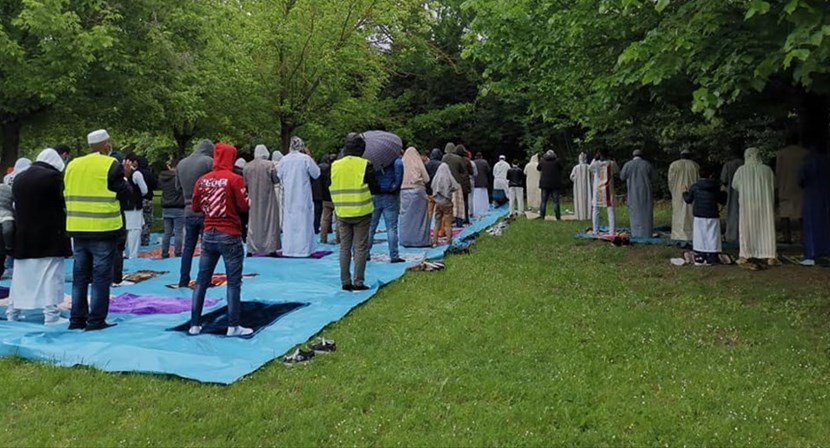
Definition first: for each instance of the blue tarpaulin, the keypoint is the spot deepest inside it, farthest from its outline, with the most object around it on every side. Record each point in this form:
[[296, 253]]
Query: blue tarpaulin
[[141, 344]]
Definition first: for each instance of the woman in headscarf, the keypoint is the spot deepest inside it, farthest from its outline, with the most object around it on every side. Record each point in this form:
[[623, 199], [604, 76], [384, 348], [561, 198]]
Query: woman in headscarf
[[414, 227], [444, 186], [20, 166], [41, 243], [295, 172], [263, 218]]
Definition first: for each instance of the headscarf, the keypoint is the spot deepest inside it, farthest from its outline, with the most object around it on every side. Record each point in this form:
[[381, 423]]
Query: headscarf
[[51, 157], [261, 152], [240, 163], [444, 183], [414, 172], [752, 156], [449, 148], [297, 144], [551, 154], [20, 166], [583, 158], [276, 156]]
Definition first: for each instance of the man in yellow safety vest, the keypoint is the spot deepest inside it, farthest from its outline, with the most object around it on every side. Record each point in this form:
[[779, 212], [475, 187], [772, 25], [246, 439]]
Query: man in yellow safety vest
[[353, 182], [93, 186]]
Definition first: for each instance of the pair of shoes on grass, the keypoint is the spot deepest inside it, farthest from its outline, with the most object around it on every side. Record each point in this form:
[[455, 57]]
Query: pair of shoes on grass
[[304, 355]]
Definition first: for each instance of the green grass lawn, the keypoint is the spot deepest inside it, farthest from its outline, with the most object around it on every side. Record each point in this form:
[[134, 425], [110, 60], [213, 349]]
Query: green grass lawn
[[535, 339]]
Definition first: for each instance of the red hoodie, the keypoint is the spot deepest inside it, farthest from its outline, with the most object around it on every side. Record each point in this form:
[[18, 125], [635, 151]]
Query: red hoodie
[[221, 194]]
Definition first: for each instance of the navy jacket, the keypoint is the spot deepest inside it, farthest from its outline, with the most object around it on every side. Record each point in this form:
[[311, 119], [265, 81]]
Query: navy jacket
[[705, 195]]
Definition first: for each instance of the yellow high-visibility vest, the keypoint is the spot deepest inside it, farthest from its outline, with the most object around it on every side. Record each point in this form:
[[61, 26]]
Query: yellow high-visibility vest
[[90, 206], [351, 196]]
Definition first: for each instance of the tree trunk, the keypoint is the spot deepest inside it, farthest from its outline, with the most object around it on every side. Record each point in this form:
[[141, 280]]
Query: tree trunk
[[183, 140], [286, 132], [11, 144]]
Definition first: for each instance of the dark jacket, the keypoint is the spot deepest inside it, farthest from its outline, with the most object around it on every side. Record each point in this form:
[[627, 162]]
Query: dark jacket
[[705, 195], [484, 173], [191, 168], [170, 196], [459, 170], [551, 169], [40, 214], [325, 179], [515, 177], [432, 167], [150, 177]]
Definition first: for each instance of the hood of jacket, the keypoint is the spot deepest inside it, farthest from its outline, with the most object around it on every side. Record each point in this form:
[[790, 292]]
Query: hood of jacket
[[752, 156], [449, 148], [583, 158], [436, 154], [224, 155], [261, 152], [550, 155], [204, 147]]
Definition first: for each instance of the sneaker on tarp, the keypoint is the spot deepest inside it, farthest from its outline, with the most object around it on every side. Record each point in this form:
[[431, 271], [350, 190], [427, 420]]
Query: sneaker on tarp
[[299, 356], [194, 330], [324, 345], [123, 283], [239, 331], [808, 263]]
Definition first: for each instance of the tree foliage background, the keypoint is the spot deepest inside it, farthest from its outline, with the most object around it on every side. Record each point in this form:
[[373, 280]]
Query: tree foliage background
[[502, 77]]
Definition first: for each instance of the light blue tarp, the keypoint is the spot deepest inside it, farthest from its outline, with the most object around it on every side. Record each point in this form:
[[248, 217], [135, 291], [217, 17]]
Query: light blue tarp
[[141, 344]]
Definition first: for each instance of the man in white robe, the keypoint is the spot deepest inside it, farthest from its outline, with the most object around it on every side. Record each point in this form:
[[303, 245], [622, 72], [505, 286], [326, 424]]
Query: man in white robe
[[534, 193], [263, 216], [755, 184], [788, 162], [296, 171], [500, 184], [683, 174], [583, 185]]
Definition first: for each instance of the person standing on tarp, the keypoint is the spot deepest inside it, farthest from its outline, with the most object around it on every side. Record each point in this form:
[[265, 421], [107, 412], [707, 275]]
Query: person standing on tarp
[[705, 196], [353, 183], [264, 218], [414, 227], [500, 183], [93, 186], [432, 167], [639, 175], [222, 197], [458, 168], [296, 171], [788, 162], [172, 211], [682, 173], [550, 183], [755, 184], [40, 243], [516, 194], [581, 178], [727, 174], [481, 196], [190, 169], [134, 214], [532, 179], [602, 171], [813, 178]]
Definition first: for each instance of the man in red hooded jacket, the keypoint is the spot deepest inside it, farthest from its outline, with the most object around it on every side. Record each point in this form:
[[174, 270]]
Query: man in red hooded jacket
[[221, 196]]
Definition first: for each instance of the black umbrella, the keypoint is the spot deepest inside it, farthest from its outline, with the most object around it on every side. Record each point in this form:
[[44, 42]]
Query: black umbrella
[[382, 148]]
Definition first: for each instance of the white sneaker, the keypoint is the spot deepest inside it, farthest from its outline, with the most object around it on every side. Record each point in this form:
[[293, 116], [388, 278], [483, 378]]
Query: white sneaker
[[239, 331], [808, 263], [194, 330], [123, 283]]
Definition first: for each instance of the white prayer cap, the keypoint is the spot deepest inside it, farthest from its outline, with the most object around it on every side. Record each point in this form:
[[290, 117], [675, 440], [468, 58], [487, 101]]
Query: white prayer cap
[[98, 136], [638, 153], [502, 158], [685, 152]]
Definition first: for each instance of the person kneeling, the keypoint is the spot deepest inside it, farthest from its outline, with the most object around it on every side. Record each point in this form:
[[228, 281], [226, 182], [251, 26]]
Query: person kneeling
[[222, 197], [706, 194]]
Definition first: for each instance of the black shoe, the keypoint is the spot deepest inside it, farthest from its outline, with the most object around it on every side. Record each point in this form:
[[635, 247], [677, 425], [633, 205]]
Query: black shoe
[[360, 288], [324, 345], [97, 327], [77, 326], [348, 288], [398, 260], [299, 356]]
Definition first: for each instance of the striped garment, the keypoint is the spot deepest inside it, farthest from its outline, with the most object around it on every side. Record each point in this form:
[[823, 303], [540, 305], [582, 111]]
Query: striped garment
[[603, 172]]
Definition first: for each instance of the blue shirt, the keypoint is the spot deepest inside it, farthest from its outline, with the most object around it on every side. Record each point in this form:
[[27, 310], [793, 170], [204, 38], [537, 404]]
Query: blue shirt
[[391, 177]]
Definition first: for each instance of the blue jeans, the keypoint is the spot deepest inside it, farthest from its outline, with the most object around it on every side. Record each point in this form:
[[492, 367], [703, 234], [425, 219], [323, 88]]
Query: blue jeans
[[93, 265], [173, 227], [388, 205], [554, 194], [216, 244], [193, 227]]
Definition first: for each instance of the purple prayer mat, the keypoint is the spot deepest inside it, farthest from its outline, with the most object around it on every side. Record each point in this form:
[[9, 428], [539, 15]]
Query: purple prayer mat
[[315, 255], [148, 304], [4, 292]]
